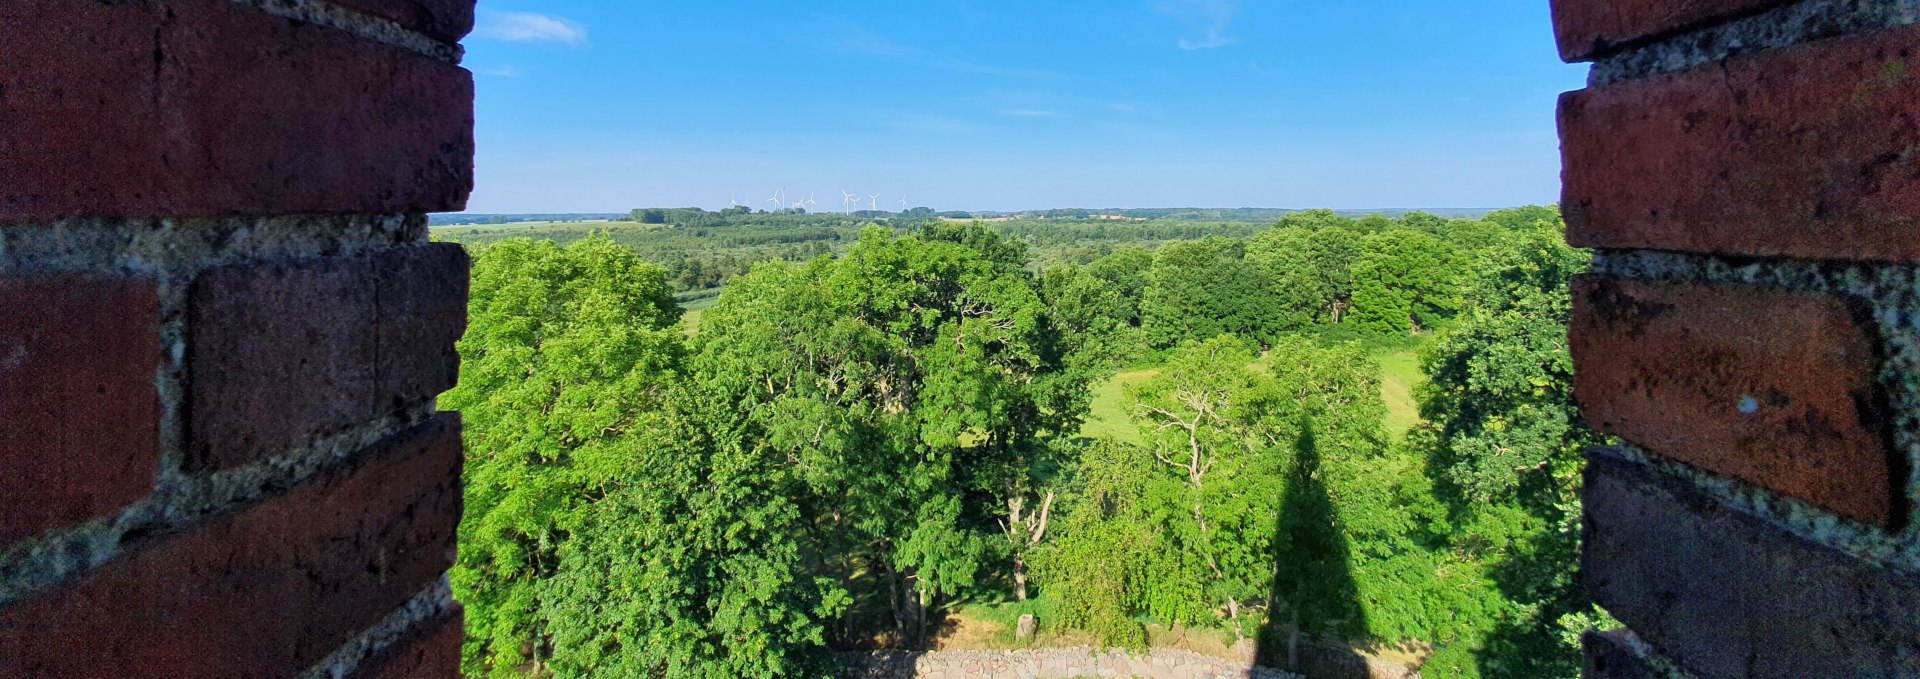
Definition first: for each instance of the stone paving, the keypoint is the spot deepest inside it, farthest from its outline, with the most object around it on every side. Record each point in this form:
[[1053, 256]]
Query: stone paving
[[1050, 663]]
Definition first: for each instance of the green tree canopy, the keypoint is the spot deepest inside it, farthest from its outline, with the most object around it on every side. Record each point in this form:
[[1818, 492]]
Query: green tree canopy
[[566, 362], [692, 563], [1404, 281], [917, 386], [1201, 289], [1310, 270], [1504, 453]]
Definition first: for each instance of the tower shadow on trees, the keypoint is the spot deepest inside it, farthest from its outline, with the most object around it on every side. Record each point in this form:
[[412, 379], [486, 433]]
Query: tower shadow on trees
[[1314, 604]]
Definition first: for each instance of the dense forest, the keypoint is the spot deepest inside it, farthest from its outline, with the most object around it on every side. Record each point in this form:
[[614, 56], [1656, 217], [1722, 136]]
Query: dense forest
[[881, 423]]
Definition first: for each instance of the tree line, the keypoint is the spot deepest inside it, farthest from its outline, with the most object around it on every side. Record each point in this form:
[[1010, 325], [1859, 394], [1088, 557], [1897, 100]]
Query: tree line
[[703, 249], [856, 442]]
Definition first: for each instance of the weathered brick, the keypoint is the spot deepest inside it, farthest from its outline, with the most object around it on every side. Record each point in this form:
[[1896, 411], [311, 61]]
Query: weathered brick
[[277, 353], [421, 301], [1773, 387], [1811, 151], [1728, 596], [281, 352], [77, 125], [79, 410], [211, 108], [265, 591], [1591, 28], [1609, 657], [430, 651], [447, 20]]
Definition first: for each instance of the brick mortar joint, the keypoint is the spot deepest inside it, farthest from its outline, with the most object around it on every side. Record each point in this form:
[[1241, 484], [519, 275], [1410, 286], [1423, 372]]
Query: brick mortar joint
[[359, 24], [178, 249], [1892, 293], [173, 253], [430, 604], [180, 500], [1796, 518], [1794, 24]]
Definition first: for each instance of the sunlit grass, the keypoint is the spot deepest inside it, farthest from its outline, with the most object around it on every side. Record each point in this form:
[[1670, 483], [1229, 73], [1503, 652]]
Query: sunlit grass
[[1107, 415], [1399, 368], [1399, 374], [690, 320]]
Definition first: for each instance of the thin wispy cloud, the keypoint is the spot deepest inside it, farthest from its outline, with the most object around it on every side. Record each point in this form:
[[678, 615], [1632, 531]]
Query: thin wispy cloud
[[1031, 113], [1212, 40], [1208, 18], [853, 39], [499, 71], [529, 27], [930, 122]]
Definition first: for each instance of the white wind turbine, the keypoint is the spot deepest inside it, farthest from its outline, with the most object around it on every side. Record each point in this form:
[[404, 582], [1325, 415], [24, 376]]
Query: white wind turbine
[[847, 199], [903, 203], [809, 201], [873, 202]]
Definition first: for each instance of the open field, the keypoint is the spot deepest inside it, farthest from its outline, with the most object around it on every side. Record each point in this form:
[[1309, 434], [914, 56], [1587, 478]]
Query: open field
[[1400, 373], [690, 321], [532, 227], [1107, 415], [558, 232]]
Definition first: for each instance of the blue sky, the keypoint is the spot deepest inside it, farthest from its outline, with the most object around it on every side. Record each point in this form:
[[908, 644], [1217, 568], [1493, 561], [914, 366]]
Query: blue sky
[[970, 104]]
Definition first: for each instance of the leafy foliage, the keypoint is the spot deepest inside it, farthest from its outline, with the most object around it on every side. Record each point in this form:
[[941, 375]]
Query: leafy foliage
[[917, 387], [568, 356], [1504, 452], [874, 424], [691, 565], [1404, 280], [1202, 289]]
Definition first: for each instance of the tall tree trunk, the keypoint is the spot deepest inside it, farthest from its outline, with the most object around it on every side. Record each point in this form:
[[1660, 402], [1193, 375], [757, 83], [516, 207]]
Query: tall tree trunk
[[894, 601], [913, 622], [926, 602], [1019, 577], [1024, 532]]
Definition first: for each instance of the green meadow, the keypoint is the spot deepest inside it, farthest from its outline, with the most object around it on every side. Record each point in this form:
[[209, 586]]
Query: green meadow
[[1399, 375]]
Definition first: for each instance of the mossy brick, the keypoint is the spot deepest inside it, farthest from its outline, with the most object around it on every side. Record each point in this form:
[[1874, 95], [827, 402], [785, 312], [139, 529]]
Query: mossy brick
[[1810, 151], [1776, 388]]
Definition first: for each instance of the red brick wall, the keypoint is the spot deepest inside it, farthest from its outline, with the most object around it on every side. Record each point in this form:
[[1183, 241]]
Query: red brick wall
[[221, 333], [1749, 173]]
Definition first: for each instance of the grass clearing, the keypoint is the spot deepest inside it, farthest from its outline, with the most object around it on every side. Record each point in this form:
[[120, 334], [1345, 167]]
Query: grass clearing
[[1399, 375], [1107, 415], [690, 321]]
